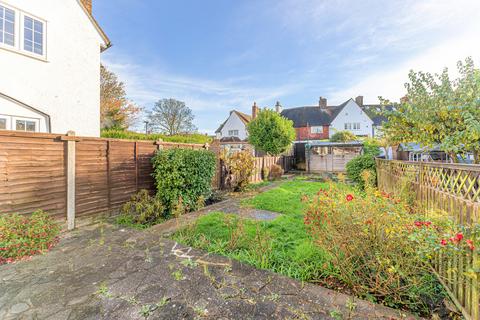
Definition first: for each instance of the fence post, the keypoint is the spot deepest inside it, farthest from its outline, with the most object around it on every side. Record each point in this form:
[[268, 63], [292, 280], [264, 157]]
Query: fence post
[[71, 180]]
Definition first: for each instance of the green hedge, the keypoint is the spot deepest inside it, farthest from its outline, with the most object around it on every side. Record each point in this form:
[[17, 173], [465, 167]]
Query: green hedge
[[183, 174], [186, 138]]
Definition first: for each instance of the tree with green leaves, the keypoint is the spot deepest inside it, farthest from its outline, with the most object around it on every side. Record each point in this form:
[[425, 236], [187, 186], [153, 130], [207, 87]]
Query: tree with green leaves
[[270, 132], [438, 111], [343, 136]]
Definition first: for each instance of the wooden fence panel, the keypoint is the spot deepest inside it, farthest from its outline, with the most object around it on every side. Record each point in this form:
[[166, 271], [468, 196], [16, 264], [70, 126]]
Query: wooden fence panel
[[33, 175], [108, 171], [454, 190], [92, 187]]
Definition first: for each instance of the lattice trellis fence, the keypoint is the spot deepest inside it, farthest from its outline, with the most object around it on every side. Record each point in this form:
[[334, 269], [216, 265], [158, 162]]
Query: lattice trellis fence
[[454, 190]]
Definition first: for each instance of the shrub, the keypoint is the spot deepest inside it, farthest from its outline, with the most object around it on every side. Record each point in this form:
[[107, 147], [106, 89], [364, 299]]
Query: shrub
[[372, 243], [24, 236], [276, 172], [240, 166], [358, 165], [343, 136], [183, 175], [181, 138], [371, 147], [142, 210], [270, 132]]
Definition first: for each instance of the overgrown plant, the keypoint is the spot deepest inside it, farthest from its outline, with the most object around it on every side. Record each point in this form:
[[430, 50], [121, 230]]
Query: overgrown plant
[[239, 168], [374, 245], [276, 172], [358, 165], [24, 236], [183, 174], [142, 210]]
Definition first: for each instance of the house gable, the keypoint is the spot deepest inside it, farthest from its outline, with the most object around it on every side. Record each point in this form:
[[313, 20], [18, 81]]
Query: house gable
[[352, 118], [235, 122]]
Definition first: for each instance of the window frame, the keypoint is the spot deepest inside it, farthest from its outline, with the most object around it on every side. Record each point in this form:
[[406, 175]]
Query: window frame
[[13, 125], [15, 28], [316, 129], [233, 133], [6, 123], [22, 35], [19, 35]]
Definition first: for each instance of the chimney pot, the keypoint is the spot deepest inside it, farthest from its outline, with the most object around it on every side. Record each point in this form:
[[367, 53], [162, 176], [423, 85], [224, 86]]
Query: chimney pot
[[254, 110], [278, 107], [322, 102], [359, 100]]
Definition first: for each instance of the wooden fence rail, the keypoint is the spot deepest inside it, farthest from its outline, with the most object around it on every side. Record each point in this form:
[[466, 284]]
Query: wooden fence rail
[[453, 190]]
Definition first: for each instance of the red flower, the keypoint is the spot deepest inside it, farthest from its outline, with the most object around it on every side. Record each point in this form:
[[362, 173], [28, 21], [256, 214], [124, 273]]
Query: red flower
[[427, 223], [349, 197], [470, 244], [443, 242], [418, 223], [459, 237]]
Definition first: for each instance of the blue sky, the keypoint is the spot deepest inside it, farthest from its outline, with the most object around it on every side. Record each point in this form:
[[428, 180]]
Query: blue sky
[[219, 55]]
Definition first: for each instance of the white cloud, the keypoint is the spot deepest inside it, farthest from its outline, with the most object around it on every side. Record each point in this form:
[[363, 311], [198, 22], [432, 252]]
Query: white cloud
[[147, 84]]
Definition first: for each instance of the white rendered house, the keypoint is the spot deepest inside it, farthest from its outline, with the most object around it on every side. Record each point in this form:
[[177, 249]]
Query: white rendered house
[[50, 66]]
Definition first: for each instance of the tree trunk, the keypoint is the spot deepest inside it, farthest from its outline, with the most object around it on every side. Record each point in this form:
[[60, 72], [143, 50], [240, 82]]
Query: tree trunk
[[476, 157], [453, 156]]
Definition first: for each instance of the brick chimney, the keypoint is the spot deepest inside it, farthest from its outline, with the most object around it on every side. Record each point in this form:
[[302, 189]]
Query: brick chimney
[[322, 102], [359, 100], [278, 107], [254, 110], [88, 5]]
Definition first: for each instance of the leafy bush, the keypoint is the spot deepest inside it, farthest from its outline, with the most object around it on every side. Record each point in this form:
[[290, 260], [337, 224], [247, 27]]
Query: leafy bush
[[239, 167], [276, 172], [270, 132], [142, 210], [183, 176], [374, 245], [343, 136], [358, 165], [185, 138], [24, 236], [371, 147]]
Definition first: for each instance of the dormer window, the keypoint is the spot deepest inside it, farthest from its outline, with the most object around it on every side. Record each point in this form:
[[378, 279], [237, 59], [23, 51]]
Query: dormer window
[[7, 26], [22, 32]]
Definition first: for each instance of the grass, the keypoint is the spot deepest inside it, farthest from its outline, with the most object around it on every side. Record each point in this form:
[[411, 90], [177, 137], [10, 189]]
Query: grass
[[282, 245]]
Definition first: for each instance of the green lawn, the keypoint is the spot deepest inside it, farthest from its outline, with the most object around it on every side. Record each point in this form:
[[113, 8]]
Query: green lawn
[[281, 245]]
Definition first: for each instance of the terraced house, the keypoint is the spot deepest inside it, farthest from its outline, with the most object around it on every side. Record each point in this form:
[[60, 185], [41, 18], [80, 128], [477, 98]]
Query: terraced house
[[50, 65], [322, 121]]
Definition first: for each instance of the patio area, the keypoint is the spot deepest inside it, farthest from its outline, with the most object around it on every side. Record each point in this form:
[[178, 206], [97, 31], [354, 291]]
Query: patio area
[[111, 273]]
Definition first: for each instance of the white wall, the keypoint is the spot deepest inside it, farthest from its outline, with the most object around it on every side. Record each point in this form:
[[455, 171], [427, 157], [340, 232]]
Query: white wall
[[11, 111], [352, 113], [234, 123], [66, 85]]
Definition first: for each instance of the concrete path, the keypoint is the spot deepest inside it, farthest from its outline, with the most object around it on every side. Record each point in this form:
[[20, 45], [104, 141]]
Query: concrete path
[[104, 272]]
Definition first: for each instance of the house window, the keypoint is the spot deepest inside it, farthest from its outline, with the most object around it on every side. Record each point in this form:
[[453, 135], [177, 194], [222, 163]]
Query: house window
[[25, 125], [316, 130], [348, 126], [21, 32], [233, 133], [33, 35], [7, 26], [3, 124], [356, 126]]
